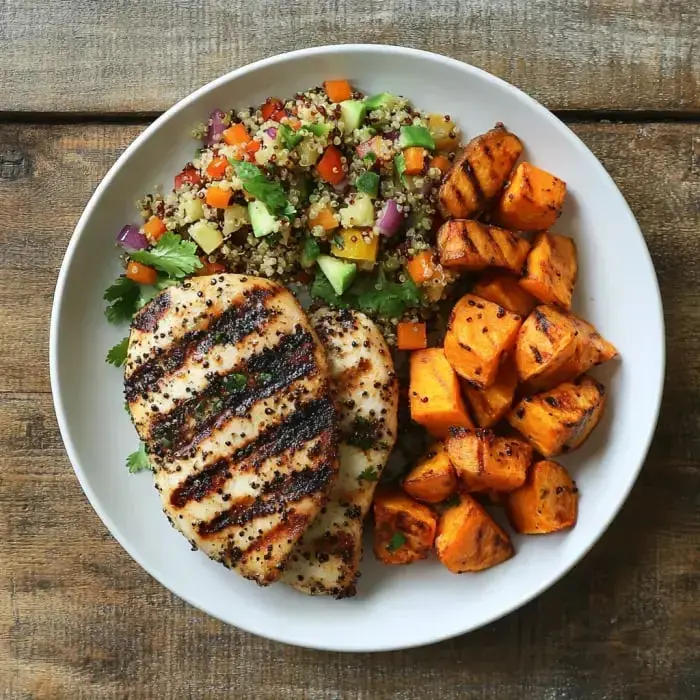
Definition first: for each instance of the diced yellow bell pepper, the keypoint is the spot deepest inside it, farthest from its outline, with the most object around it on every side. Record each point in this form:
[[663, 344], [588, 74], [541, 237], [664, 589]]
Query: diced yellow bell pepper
[[354, 246]]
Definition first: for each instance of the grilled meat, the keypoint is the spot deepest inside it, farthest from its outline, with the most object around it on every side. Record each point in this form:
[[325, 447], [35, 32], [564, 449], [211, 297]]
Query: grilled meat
[[228, 386], [326, 560]]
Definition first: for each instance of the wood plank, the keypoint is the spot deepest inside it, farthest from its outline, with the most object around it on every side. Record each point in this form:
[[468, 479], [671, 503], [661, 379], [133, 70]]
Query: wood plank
[[78, 618], [86, 56]]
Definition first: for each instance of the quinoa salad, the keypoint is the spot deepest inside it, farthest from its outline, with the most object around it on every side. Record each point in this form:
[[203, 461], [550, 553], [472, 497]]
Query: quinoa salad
[[331, 192]]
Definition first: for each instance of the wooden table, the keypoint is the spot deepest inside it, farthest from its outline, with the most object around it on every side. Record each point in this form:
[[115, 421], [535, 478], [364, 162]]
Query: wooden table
[[78, 618]]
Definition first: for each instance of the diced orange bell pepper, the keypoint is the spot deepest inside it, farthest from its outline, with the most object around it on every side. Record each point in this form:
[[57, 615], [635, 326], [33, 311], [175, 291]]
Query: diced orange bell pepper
[[325, 218], [415, 159], [236, 135], [338, 90], [330, 167], [442, 163], [421, 267], [217, 197], [411, 336], [154, 228], [141, 273], [217, 168], [272, 110]]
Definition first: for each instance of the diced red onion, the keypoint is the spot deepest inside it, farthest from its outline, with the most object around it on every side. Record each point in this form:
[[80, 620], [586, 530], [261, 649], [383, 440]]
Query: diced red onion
[[130, 238], [390, 219], [216, 127], [390, 135], [341, 186], [271, 132]]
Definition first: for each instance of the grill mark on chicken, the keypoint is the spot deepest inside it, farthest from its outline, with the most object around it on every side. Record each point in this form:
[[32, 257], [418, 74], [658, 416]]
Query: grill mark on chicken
[[235, 323], [267, 373], [297, 485], [148, 317], [315, 419]]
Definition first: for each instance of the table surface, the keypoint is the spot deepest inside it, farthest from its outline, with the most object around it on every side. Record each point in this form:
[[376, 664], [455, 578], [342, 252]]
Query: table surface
[[78, 618]]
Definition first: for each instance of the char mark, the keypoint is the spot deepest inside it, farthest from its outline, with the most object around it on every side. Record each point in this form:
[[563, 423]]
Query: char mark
[[469, 172], [147, 318], [234, 324]]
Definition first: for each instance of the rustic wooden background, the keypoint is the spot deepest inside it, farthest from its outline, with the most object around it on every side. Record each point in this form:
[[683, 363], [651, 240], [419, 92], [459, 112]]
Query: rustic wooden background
[[79, 79]]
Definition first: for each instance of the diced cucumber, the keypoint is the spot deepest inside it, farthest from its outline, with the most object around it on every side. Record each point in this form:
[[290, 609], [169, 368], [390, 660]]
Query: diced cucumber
[[383, 99], [410, 136], [206, 236], [359, 213], [352, 114], [193, 209], [340, 274], [318, 129], [310, 252], [400, 167], [308, 152], [262, 221], [368, 182], [235, 218]]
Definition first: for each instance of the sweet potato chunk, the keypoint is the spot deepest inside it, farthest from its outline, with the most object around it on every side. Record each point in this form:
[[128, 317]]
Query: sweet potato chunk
[[435, 397], [404, 530], [479, 332], [471, 245], [559, 420], [503, 289], [551, 270], [547, 502], [490, 405], [468, 539], [554, 347], [479, 173], [532, 201], [485, 462], [433, 479]]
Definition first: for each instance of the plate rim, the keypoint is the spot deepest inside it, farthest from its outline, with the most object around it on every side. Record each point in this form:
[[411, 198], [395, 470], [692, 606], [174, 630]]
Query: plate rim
[[79, 230]]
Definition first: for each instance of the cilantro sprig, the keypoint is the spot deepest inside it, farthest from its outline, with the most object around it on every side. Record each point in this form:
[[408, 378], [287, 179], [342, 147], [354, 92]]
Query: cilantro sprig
[[172, 255], [124, 297], [138, 461], [117, 355], [398, 540], [270, 193]]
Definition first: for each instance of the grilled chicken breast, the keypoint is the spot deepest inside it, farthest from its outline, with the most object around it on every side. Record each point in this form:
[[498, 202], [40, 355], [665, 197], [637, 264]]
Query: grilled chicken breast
[[228, 386], [327, 558]]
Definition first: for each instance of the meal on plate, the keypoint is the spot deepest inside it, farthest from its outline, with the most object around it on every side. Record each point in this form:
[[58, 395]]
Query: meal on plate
[[340, 309]]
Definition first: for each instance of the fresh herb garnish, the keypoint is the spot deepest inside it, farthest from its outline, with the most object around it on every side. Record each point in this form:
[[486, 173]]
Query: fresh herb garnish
[[264, 377], [269, 193], [368, 182], [171, 255], [148, 292], [370, 158], [235, 381], [369, 474], [138, 461], [290, 138], [321, 288], [363, 433], [124, 295], [117, 355], [310, 252], [398, 540]]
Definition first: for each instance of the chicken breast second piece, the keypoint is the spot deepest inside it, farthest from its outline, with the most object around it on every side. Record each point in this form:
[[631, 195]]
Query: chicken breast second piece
[[327, 558]]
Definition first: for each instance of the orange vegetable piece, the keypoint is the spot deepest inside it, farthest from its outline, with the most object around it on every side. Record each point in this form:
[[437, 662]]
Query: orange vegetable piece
[[210, 268], [325, 218], [503, 289], [272, 110], [422, 266], [560, 420], [551, 269], [414, 158], [236, 135], [217, 168], [217, 197], [338, 90], [479, 333], [485, 462], [490, 405], [330, 168], [433, 479], [547, 502], [143, 274], [435, 399], [442, 163], [532, 201], [411, 336], [404, 530], [468, 539], [154, 228]]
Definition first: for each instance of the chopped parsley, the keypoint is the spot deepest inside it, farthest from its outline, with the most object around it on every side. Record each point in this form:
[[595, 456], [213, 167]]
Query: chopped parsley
[[264, 377], [235, 381], [369, 474], [138, 461], [268, 192], [124, 297], [363, 433], [398, 540], [368, 182], [117, 355], [370, 158], [172, 255]]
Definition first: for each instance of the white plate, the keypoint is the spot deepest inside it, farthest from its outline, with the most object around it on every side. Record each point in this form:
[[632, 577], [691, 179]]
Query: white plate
[[396, 607]]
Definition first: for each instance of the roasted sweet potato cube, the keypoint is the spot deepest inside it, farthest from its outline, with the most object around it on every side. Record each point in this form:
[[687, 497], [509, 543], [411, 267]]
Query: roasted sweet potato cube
[[433, 479], [479, 173], [471, 245], [404, 530], [468, 539], [532, 201], [434, 393], [503, 289], [551, 270], [491, 404], [559, 420], [485, 462], [546, 340], [479, 333], [546, 502]]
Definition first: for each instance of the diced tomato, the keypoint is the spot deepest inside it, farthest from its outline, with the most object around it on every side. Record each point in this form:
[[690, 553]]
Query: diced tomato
[[188, 176], [330, 167], [217, 168], [272, 110]]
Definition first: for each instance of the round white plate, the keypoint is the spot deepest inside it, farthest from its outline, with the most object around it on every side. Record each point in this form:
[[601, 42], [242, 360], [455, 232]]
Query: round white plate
[[397, 607]]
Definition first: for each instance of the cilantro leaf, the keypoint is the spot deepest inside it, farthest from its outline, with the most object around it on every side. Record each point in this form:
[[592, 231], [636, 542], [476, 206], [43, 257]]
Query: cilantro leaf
[[171, 255], [117, 355], [269, 193], [363, 433], [124, 295], [398, 540], [138, 461], [235, 381], [148, 292], [389, 299], [369, 474], [290, 138]]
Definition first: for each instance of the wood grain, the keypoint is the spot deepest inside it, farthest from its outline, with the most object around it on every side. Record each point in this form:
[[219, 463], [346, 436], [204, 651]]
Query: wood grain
[[79, 619], [104, 56]]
